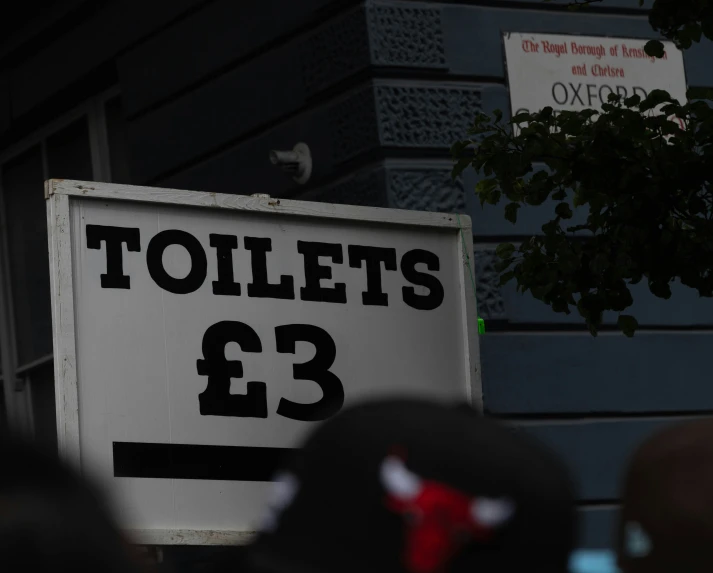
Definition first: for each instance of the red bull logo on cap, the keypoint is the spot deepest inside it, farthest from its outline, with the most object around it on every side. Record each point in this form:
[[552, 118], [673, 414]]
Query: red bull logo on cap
[[440, 519]]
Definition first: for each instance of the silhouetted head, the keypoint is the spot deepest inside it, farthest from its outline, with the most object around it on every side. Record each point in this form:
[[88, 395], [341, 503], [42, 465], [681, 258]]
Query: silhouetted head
[[51, 520], [667, 506], [413, 486]]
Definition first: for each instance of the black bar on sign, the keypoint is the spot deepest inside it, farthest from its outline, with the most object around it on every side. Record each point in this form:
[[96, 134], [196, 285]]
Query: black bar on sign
[[186, 461]]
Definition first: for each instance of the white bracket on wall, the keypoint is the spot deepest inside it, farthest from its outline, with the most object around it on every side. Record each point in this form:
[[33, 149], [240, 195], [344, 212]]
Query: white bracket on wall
[[296, 163]]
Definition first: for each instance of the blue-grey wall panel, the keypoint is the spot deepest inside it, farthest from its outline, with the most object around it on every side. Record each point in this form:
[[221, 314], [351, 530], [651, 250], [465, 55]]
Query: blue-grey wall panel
[[597, 528], [246, 169], [271, 86], [400, 34], [597, 452], [220, 111], [420, 185], [382, 113], [445, 38], [69, 57], [606, 5], [685, 308], [211, 39], [254, 94], [474, 46], [575, 373]]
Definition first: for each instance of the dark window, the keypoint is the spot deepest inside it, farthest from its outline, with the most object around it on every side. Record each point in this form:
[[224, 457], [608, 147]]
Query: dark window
[[41, 381], [68, 153], [68, 157], [22, 182], [118, 141]]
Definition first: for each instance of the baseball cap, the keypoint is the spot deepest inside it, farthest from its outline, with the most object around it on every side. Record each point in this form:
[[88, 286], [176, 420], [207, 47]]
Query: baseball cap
[[413, 486], [666, 521]]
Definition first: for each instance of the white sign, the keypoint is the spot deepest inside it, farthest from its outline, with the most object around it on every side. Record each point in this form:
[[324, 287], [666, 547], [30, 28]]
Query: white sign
[[574, 73], [199, 336]]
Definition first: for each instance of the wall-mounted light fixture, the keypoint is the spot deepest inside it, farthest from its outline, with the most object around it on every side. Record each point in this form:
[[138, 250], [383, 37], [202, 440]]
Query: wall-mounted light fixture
[[296, 163]]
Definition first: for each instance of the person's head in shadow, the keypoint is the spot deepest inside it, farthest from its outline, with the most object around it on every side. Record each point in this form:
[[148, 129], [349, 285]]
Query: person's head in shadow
[[412, 486], [666, 521], [51, 520]]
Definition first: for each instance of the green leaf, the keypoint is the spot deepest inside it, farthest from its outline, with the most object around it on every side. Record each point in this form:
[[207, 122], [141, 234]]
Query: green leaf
[[632, 101], [505, 250], [654, 99], [683, 39], [707, 27], [511, 212], [485, 186], [578, 200], [564, 210], [506, 277], [458, 147], [654, 48], [460, 166], [700, 93], [522, 118], [693, 31], [551, 227], [560, 306], [627, 324], [502, 265], [599, 264], [660, 289]]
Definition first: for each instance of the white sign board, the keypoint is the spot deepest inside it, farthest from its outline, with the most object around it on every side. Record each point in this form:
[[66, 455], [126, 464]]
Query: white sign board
[[197, 337], [574, 73]]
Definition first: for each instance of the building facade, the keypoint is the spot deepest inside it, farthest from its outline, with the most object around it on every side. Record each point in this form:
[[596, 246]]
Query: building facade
[[193, 94]]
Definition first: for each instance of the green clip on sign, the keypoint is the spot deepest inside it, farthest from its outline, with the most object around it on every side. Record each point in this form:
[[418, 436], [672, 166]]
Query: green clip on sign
[[481, 326]]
